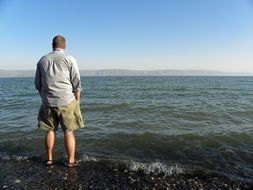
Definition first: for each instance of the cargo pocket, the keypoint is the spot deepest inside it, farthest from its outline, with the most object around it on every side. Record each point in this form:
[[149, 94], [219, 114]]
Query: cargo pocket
[[78, 116]]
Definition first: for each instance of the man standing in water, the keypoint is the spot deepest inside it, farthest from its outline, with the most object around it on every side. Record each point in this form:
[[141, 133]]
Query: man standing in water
[[58, 81]]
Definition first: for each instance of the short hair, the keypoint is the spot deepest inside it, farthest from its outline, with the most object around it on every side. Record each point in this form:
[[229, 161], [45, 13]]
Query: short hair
[[59, 42]]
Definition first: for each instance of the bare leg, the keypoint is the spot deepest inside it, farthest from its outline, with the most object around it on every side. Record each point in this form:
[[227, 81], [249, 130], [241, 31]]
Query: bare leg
[[49, 143], [70, 145]]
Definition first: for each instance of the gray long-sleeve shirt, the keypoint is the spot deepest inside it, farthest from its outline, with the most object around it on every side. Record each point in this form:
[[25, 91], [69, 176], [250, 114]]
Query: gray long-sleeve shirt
[[57, 78]]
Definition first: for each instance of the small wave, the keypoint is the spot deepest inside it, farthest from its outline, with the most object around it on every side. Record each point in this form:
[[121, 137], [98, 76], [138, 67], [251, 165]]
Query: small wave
[[104, 107], [155, 167], [88, 158]]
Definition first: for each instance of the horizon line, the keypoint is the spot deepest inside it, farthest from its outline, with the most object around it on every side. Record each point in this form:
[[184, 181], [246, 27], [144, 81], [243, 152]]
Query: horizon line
[[204, 70]]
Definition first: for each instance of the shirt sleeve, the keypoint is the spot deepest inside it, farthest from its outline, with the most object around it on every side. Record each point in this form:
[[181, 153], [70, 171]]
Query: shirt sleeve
[[75, 75], [37, 80]]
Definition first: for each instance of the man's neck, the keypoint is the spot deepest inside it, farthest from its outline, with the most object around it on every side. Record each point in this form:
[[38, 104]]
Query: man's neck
[[58, 49]]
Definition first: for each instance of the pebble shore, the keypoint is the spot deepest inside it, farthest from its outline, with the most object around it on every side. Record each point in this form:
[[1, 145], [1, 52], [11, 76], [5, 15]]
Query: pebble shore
[[33, 174]]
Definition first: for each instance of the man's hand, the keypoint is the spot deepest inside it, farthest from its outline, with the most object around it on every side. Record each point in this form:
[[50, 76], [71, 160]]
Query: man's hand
[[77, 95]]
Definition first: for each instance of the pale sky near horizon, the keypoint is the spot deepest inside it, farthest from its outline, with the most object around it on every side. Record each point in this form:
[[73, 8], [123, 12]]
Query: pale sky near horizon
[[130, 34]]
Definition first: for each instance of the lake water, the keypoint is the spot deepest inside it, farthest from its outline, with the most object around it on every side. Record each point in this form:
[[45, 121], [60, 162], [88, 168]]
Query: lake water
[[160, 124]]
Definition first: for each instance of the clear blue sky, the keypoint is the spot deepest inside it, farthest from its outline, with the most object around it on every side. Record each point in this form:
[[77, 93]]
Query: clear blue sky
[[130, 34]]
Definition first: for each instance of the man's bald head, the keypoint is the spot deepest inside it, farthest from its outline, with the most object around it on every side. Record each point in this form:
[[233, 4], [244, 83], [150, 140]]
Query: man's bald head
[[59, 42]]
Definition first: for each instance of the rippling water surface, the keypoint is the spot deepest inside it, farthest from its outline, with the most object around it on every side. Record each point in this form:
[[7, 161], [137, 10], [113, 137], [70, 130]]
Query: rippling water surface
[[200, 123]]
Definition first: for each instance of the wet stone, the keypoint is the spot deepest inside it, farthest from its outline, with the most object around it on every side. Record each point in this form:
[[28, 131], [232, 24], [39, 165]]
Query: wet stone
[[17, 181]]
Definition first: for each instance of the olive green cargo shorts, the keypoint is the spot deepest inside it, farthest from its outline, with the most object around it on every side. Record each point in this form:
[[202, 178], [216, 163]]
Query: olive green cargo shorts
[[68, 116]]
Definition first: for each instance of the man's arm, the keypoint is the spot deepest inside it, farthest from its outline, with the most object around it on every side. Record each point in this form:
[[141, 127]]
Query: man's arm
[[77, 95], [37, 80], [75, 79]]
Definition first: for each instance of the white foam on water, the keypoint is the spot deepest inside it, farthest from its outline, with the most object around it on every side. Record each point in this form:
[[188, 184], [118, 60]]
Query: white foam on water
[[155, 167], [88, 158], [13, 157]]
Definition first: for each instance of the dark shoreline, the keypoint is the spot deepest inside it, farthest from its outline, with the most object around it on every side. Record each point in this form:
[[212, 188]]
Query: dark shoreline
[[33, 174]]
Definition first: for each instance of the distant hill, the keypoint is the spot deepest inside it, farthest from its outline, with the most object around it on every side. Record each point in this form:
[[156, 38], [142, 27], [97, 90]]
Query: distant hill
[[124, 72], [17, 73]]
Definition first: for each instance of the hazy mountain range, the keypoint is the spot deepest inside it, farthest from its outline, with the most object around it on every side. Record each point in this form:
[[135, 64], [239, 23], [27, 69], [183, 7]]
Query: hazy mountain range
[[124, 72]]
